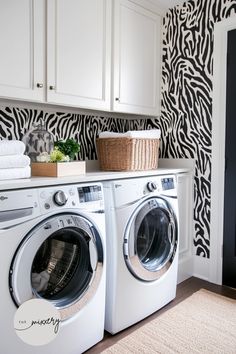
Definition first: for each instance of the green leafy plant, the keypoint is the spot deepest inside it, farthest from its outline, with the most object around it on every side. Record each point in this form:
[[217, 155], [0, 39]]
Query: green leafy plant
[[58, 156], [69, 147]]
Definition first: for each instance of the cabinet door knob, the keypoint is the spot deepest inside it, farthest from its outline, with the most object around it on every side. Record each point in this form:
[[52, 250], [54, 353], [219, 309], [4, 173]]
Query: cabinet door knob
[[117, 99], [39, 85], [51, 87]]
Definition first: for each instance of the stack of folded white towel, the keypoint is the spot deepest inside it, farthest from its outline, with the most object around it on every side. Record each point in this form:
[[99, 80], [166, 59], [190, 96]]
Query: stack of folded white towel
[[13, 163], [138, 134]]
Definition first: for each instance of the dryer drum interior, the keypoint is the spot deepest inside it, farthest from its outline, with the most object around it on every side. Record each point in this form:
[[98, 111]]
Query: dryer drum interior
[[151, 239], [61, 260], [153, 247]]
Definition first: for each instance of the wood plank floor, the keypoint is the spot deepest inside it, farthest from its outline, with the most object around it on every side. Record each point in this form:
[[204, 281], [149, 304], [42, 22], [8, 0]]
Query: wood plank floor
[[184, 290]]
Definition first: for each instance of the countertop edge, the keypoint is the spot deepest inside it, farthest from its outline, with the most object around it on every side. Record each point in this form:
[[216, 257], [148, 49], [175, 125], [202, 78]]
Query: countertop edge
[[95, 176]]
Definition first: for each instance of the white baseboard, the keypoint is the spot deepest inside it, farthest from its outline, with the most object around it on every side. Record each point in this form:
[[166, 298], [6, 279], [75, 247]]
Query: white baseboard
[[195, 266], [201, 267], [185, 268]]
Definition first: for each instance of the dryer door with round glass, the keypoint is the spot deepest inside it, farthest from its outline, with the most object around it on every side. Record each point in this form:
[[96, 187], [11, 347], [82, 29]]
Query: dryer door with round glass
[[151, 239], [60, 260]]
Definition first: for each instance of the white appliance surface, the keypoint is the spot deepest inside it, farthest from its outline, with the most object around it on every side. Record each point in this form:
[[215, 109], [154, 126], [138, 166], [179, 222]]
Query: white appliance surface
[[22, 213], [128, 298]]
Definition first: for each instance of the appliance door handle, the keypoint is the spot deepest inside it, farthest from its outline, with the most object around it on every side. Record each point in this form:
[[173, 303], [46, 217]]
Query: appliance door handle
[[171, 232], [93, 254]]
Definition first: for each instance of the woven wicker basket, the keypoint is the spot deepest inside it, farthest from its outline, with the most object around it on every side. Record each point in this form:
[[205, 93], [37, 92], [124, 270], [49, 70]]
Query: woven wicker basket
[[127, 154]]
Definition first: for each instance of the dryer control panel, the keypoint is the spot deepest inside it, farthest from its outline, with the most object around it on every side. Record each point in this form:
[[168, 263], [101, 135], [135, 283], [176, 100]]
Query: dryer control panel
[[167, 183], [128, 191]]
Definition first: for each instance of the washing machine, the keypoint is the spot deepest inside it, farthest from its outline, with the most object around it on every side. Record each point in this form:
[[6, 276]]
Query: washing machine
[[56, 233], [142, 248]]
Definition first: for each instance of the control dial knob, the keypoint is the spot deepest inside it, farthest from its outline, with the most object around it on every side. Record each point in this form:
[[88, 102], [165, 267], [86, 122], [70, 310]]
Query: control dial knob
[[151, 186], [60, 198]]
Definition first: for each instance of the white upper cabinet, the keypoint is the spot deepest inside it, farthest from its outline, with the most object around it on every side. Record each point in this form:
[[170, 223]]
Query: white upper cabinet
[[137, 59], [79, 53], [60, 52], [22, 33]]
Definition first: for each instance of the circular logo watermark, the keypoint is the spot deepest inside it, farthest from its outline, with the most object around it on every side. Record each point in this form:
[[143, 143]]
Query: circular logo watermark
[[37, 322]]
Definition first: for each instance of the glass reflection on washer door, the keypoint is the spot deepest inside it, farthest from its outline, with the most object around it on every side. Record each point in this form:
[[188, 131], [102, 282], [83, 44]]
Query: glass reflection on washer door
[[153, 246]]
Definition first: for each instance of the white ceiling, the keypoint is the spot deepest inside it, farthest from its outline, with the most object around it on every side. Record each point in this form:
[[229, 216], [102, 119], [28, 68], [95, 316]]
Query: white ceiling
[[167, 4]]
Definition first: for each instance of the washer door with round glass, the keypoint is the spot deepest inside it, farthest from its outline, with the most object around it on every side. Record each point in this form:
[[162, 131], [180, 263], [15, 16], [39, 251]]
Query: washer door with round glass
[[60, 260], [151, 239]]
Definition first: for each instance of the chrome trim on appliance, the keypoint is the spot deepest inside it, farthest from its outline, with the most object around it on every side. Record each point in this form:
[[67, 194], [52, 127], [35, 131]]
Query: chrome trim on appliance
[[131, 203], [8, 215], [168, 196]]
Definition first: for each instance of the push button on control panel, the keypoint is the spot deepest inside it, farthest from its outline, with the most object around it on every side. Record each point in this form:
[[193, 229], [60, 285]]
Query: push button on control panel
[[43, 195], [71, 192], [47, 206]]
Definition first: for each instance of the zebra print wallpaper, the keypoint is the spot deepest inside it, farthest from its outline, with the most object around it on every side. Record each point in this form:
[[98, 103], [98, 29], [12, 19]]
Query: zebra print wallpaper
[[16, 122], [186, 117]]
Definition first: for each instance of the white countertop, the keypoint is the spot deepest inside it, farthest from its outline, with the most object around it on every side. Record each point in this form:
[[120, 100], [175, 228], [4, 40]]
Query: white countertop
[[94, 176]]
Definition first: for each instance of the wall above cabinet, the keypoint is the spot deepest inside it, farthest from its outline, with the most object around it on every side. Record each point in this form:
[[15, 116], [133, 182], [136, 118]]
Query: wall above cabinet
[[164, 5], [94, 54]]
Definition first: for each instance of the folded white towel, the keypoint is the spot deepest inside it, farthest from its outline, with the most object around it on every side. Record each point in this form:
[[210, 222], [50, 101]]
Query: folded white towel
[[11, 147], [139, 134], [15, 173], [14, 161]]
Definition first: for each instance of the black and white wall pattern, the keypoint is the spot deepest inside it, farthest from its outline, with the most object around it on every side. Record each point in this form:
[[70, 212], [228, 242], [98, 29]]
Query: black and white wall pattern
[[16, 122], [186, 117]]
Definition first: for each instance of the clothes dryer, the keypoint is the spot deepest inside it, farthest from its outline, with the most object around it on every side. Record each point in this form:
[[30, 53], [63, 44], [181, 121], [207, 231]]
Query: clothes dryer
[[142, 248], [52, 246]]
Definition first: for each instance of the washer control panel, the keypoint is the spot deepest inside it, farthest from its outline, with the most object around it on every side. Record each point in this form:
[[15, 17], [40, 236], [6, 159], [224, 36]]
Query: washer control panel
[[89, 196], [18, 206]]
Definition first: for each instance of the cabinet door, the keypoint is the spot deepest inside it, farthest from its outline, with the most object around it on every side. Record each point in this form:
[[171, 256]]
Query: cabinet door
[[79, 53], [185, 202], [137, 59], [22, 44]]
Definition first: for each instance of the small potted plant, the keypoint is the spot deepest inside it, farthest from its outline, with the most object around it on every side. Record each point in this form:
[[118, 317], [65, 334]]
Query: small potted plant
[[53, 164], [68, 147]]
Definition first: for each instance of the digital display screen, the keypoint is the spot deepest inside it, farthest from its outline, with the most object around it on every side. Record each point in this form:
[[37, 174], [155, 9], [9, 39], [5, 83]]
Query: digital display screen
[[90, 193], [167, 183]]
